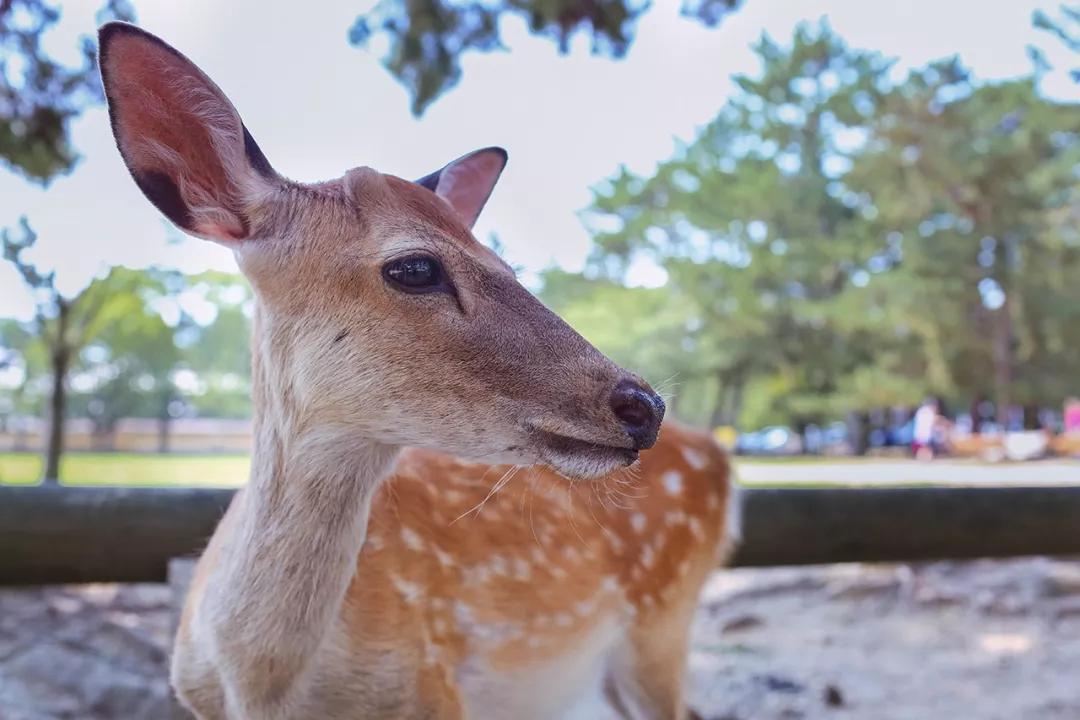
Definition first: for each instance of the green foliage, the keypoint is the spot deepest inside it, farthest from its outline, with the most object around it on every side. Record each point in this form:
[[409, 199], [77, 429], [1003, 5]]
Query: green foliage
[[1066, 28], [218, 353], [429, 37], [973, 188], [38, 95], [125, 357], [835, 242], [127, 366], [108, 335]]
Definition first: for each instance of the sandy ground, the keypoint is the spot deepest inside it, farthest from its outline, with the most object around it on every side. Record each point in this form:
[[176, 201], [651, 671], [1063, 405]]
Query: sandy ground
[[990, 640], [956, 641]]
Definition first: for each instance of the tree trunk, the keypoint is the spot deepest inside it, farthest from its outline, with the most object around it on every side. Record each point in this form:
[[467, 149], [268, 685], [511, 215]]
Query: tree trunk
[[718, 417], [165, 419], [728, 401], [61, 359], [857, 432], [164, 427], [1003, 362]]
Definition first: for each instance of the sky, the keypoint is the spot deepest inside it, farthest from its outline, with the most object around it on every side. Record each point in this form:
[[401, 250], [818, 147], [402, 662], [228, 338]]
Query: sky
[[318, 106]]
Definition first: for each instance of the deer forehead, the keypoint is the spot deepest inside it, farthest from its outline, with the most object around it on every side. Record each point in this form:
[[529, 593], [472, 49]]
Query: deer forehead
[[365, 218], [322, 245]]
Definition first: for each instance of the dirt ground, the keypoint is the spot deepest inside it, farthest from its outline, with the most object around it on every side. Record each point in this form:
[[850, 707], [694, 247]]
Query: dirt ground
[[990, 640], [956, 641]]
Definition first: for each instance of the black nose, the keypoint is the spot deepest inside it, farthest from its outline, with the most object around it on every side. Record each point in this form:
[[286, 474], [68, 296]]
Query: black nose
[[640, 411]]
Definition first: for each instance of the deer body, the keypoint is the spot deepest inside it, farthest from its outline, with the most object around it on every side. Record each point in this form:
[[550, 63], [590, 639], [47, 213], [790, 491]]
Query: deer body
[[548, 599], [381, 323]]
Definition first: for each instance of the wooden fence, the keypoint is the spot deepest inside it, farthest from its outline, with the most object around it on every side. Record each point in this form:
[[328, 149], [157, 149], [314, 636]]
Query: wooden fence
[[74, 534]]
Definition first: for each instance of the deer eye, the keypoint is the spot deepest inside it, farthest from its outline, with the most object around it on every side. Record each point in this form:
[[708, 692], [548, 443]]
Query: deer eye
[[415, 274]]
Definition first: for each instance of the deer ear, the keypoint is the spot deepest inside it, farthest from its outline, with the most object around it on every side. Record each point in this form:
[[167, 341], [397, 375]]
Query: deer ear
[[467, 182], [181, 138]]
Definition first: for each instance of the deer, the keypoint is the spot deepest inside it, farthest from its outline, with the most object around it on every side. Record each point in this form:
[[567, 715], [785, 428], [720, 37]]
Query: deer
[[381, 562]]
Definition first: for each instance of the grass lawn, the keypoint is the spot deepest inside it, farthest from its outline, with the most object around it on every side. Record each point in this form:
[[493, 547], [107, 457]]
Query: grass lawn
[[148, 470], [129, 469]]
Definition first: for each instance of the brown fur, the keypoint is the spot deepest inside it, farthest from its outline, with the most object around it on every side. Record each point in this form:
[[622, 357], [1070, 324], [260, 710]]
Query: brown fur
[[533, 556]]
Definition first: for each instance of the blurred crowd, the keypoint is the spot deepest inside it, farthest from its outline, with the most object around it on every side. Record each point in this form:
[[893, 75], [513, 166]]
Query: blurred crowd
[[928, 431], [1017, 433]]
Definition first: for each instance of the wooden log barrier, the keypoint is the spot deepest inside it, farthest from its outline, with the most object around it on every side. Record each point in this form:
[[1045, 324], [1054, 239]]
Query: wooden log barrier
[[51, 534], [79, 534], [796, 526]]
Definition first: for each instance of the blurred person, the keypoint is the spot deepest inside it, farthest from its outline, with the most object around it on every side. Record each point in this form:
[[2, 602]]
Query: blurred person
[[924, 433], [1071, 416], [982, 415], [1028, 437]]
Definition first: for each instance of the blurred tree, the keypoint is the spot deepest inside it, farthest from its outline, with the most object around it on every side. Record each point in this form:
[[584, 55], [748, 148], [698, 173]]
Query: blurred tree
[[1066, 28], [129, 364], [63, 326], [836, 241], [19, 350], [755, 228], [975, 196], [429, 37], [216, 351], [39, 96]]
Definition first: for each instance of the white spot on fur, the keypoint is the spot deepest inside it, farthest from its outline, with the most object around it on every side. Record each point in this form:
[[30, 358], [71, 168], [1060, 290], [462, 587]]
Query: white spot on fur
[[412, 540], [616, 544], [522, 569], [498, 565], [410, 591], [583, 609], [694, 459], [696, 529], [672, 482], [637, 521], [464, 616], [375, 542], [445, 559], [648, 556], [477, 574], [674, 517], [563, 620]]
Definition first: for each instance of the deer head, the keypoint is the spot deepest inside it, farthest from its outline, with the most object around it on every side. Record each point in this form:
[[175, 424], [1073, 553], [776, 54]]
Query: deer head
[[379, 315]]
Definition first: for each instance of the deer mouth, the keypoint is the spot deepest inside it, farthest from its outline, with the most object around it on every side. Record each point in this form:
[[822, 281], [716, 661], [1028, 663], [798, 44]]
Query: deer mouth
[[581, 459]]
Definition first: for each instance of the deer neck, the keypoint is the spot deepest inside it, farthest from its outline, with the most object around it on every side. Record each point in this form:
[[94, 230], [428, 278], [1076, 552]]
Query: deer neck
[[300, 523]]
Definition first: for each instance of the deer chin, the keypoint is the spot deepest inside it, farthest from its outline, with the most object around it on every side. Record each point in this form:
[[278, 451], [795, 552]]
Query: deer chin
[[580, 459]]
